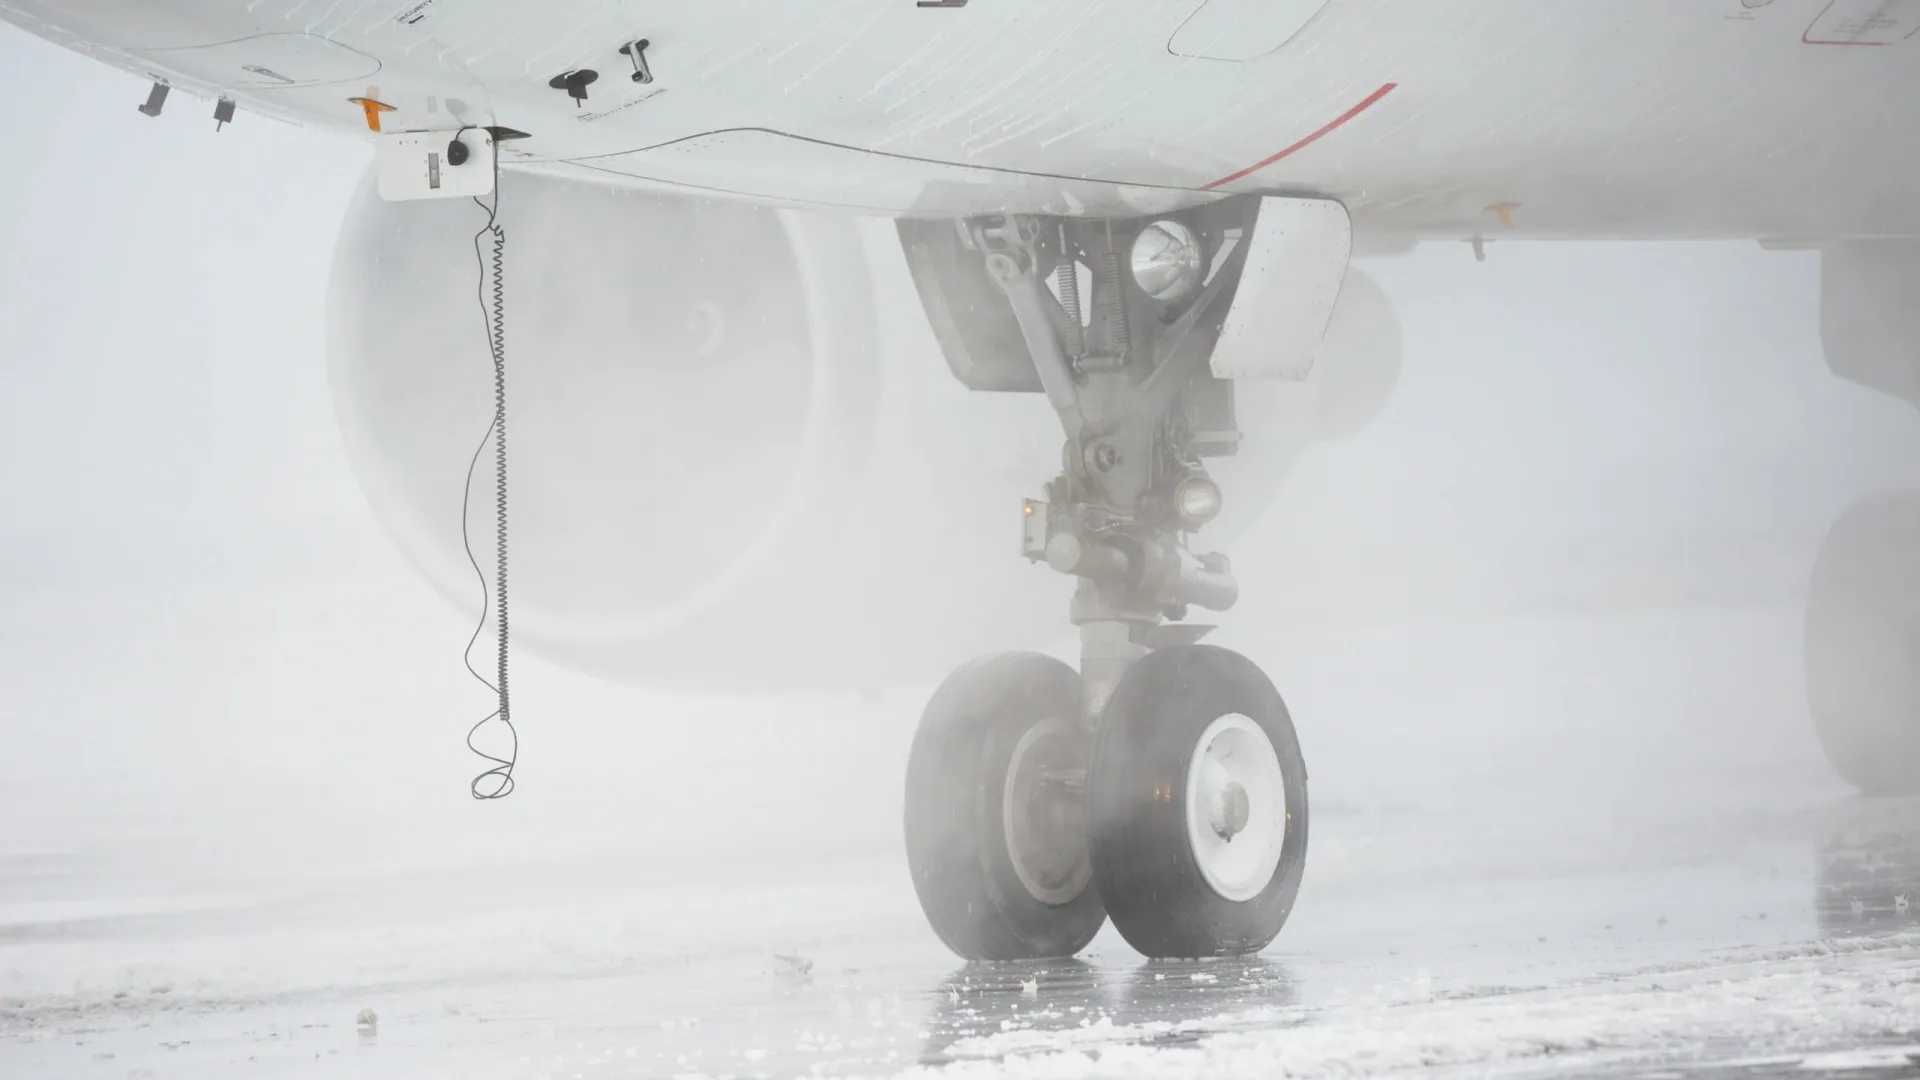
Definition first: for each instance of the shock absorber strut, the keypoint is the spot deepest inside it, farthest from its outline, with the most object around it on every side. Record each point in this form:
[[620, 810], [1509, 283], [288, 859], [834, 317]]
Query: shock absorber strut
[[1113, 519], [1110, 294], [1067, 280]]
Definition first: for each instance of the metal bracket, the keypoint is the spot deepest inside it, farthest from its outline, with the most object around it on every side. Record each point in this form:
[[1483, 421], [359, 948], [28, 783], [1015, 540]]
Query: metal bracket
[[156, 99], [637, 52]]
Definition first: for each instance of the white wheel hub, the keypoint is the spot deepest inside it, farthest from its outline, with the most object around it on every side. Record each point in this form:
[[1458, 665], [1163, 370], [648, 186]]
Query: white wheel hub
[[1236, 807], [1043, 811]]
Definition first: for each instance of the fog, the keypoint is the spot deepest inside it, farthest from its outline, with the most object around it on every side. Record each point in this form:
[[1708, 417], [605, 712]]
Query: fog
[[1545, 609]]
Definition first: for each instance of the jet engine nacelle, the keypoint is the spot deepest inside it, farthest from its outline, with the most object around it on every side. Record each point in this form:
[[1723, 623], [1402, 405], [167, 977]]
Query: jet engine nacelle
[[736, 460], [1870, 314], [1358, 365]]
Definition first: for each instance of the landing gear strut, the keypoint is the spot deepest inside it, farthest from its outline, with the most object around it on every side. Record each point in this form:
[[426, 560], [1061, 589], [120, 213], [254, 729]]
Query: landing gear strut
[[1163, 784]]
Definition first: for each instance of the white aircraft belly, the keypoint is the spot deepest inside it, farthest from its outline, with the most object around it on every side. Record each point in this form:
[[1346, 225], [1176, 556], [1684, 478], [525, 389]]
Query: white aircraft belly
[[1772, 118]]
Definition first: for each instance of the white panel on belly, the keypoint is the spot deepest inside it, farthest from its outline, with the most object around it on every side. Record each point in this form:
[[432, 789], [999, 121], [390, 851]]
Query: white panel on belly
[[267, 62], [1864, 22]]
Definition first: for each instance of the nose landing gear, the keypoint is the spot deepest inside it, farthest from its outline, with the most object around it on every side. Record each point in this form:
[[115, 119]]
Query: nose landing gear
[[1163, 783]]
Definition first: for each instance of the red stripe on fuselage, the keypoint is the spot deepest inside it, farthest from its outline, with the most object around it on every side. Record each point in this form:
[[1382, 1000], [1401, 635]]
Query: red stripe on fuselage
[[1309, 140]]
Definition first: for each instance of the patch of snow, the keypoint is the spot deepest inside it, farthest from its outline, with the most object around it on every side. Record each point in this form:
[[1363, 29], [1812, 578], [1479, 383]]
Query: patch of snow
[[212, 960], [1885, 1057], [1819, 996]]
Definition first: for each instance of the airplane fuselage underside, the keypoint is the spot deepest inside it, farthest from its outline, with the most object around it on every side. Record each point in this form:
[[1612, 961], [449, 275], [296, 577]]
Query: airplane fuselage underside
[[1625, 118]]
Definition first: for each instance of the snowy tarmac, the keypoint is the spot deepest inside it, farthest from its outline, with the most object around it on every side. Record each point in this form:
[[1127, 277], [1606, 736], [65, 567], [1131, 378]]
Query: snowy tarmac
[[1605, 887]]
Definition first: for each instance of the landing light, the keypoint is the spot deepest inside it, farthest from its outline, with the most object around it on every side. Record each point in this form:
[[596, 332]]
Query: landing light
[[1197, 500], [1167, 261]]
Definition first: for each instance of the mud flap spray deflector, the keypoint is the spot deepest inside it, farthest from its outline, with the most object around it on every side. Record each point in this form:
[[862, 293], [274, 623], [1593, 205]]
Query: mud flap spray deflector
[[1289, 285]]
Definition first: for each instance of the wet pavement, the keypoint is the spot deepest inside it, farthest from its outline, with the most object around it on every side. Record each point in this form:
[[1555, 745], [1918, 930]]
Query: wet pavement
[[873, 995], [1613, 907]]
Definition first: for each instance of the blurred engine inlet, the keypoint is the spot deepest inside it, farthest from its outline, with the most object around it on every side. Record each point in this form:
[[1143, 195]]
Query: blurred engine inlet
[[718, 481], [1870, 314], [1358, 365], [692, 389]]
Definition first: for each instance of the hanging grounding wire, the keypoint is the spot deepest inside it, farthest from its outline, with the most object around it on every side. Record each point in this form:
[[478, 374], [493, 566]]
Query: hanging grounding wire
[[497, 781]]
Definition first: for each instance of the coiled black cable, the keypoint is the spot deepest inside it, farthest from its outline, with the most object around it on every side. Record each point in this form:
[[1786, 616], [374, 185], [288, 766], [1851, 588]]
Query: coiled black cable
[[497, 781]]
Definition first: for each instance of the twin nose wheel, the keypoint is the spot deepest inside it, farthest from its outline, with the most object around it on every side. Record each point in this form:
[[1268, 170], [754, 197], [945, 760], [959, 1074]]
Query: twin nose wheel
[[1184, 817]]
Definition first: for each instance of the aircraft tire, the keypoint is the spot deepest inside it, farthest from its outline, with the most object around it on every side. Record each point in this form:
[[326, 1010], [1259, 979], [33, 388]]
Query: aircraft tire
[[995, 812], [1197, 754]]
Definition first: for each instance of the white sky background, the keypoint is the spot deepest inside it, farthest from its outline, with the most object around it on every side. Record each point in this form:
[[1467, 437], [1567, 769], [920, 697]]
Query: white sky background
[[205, 640]]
